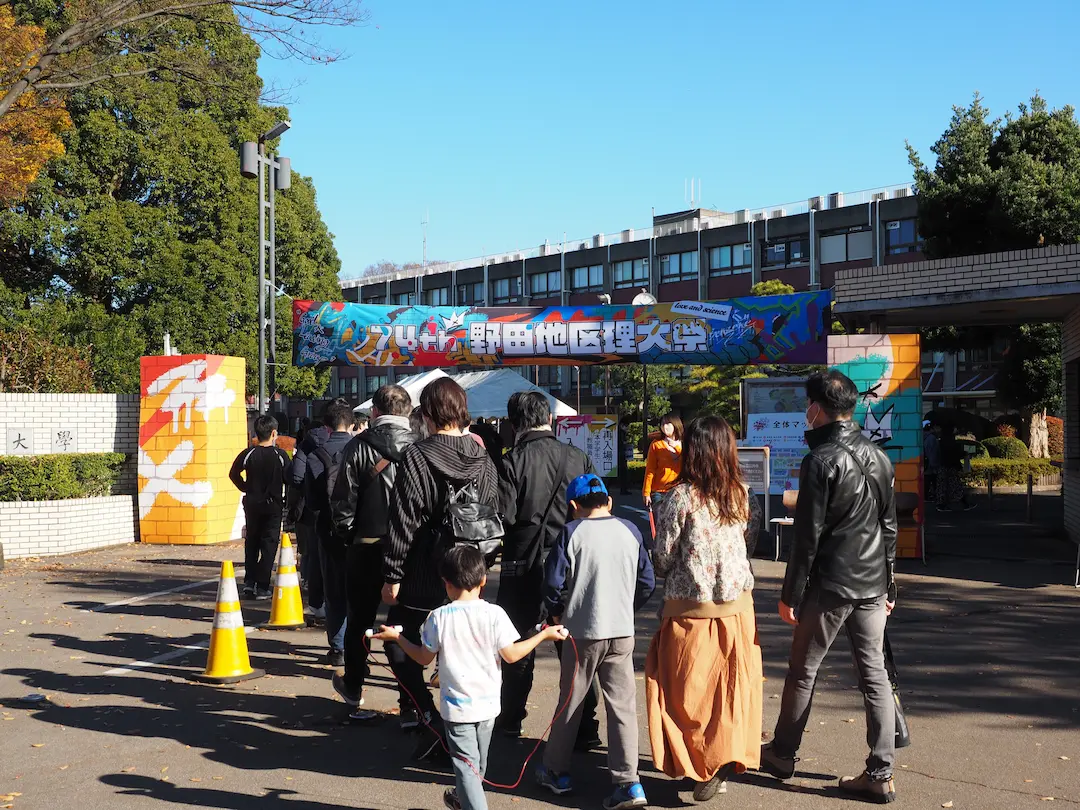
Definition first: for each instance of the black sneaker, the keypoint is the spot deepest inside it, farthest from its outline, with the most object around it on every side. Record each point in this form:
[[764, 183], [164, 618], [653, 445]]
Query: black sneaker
[[409, 719], [334, 658], [249, 593], [510, 728], [263, 594], [350, 696], [365, 715], [775, 765]]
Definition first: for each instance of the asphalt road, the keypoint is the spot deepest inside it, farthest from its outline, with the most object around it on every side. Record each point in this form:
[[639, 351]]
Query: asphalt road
[[989, 657]]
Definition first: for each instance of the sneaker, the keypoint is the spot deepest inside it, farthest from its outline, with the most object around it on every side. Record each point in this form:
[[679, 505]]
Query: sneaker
[[704, 791], [318, 613], [429, 748], [559, 784], [364, 715], [510, 728], [350, 696], [334, 658], [249, 592], [774, 765], [869, 790], [409, 719], [626, 796], [263, 594], [451, 800]]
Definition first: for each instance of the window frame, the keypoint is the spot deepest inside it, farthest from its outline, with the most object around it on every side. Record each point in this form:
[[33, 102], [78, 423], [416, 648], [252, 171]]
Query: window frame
[[445, 295], [746, 249], [901, 248], [475, 301], [635, 280], [410, 299], [591, 284], [382, 379], [847, 233], [683, 274], [787, 242], [548, 291], [513, 283]]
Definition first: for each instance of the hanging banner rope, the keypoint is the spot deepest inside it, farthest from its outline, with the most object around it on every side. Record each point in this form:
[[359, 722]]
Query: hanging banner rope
[[742, 331]]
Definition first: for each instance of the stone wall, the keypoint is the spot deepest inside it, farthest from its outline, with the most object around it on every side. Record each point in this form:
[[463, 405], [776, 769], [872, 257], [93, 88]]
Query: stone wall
[[45, 528]]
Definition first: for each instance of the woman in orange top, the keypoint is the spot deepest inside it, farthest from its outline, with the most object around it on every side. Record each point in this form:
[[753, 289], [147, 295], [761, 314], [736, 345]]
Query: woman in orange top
[[664, 463]]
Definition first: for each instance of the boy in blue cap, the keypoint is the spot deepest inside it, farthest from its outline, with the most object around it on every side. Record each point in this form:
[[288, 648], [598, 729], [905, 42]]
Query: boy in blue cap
[[595, 578]]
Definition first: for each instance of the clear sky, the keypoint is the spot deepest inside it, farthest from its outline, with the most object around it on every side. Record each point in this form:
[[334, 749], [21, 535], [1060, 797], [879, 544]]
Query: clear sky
[[510, 122]]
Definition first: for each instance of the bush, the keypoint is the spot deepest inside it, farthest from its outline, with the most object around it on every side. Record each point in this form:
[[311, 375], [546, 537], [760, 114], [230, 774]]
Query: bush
[[1007, 471], [59, 477], [1003, 447], [980, 451], [1056, 428], [1005, 431], [635, 472]]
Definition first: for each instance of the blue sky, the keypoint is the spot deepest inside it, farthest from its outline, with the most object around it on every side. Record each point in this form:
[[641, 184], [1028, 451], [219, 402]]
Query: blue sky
[[509, 123]]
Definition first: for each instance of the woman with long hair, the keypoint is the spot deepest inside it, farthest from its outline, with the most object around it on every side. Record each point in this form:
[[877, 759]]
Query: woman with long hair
[[703, 670], [664, 461]]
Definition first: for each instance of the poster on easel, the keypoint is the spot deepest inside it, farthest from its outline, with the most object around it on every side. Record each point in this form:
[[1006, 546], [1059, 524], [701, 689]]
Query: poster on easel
[[597, 436], [784, 435]]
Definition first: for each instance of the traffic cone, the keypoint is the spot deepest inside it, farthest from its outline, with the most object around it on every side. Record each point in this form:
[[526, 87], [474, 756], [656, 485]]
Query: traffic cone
[[287, 609], [228, 660]]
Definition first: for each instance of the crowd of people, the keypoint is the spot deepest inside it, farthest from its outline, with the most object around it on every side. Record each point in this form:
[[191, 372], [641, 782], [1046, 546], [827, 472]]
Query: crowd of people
[[403, 513]]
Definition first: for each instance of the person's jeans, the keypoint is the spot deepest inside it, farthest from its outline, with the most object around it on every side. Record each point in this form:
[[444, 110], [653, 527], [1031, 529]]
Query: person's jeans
[[410, 675], [260, 545], [521, 598], [611, 662], [363, 583], [821, 617], [468, 743], [333, 563]]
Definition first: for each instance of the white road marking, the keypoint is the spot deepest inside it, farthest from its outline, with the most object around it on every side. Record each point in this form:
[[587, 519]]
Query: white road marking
[[178, 589], [158, 659]]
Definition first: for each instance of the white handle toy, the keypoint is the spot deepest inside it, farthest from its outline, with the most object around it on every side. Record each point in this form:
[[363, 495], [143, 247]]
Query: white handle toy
[[369, 632], [563, 633]]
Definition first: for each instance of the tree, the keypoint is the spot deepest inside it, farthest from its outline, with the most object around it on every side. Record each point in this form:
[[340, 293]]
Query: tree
[[30, 132], [1029, 379], [96, 41], [145, 226], [773, 286], [661, 382], [32, 364]]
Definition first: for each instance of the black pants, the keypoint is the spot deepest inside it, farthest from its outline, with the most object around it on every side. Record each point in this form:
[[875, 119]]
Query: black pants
[[260, 545], [363, 586], [409, 673], [332, 560], [521, 598]]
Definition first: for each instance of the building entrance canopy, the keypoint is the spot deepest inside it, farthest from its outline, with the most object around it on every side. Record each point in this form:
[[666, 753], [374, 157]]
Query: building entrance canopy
[[789, 329]]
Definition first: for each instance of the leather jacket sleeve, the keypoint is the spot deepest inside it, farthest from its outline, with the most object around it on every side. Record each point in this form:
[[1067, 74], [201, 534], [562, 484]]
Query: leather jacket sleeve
[[810, 518], [888, 536]]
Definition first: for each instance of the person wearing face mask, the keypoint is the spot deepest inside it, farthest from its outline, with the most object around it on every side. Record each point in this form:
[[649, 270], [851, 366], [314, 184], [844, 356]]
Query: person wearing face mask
[[664, 462], [840, 577]]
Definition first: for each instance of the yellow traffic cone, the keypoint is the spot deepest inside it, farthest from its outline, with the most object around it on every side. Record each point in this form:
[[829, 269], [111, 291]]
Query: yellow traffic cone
[[228, 659], [287, 609]]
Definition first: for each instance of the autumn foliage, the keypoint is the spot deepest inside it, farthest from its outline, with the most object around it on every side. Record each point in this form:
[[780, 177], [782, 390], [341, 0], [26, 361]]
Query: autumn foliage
[[30, 131]]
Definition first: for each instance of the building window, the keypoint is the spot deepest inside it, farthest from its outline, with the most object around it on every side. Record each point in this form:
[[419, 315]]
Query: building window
[[902, 236], [506, 290], [406, 299], [438, 297], [852, 245], [342, 386], [679, 267], [631, 274], [545, 285], [379, 300], [587, 279], [787, 253], [374, 382], [471, 295], [731, 260], [549, 377]]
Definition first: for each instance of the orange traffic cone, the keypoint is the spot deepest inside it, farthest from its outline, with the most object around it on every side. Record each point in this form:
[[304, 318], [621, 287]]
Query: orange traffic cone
[[287, 609], [228, 659]]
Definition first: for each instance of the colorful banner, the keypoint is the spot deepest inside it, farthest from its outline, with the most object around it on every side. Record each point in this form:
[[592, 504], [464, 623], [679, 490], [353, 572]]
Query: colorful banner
[[597, 436], [742, 331], [784, 435]]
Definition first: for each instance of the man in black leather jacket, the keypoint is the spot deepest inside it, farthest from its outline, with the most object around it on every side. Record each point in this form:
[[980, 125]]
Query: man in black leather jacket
[[360, 511], [840, 576]]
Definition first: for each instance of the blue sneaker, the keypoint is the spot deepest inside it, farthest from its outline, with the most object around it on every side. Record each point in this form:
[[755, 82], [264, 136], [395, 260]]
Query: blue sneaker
[[626, 796], [559, 784]]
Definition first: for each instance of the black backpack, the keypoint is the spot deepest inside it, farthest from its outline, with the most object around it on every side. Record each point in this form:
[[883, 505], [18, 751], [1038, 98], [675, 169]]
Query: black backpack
[[468, 522], [324, 492]]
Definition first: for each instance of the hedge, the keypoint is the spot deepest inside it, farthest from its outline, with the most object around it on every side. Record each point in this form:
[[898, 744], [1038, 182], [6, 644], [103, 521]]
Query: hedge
[[59, 477], [1004, 447], [1007, 471], [635, 472]]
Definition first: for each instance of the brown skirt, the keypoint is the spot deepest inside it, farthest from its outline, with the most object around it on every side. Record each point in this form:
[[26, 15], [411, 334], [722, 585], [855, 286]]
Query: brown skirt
[[703, 694]]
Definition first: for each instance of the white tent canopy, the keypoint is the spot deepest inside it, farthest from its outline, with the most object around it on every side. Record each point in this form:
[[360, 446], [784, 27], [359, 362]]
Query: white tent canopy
[[487, 391]]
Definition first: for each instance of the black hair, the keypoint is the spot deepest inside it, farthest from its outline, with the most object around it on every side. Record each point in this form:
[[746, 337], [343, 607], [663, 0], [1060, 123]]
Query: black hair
[[833, 392], [265, 424], [592, 500], [463, 567], [338, 415], [392, 400], [531, 411]]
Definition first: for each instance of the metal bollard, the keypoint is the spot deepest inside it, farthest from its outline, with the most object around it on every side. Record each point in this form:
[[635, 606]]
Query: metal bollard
[[1030, 498], [990, 490]]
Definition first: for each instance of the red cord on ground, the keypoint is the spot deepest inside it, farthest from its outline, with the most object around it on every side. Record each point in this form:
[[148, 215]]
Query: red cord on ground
[[442, 742]]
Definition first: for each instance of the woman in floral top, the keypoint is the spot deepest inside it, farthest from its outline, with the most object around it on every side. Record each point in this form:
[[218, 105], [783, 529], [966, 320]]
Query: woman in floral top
[[703, 671]]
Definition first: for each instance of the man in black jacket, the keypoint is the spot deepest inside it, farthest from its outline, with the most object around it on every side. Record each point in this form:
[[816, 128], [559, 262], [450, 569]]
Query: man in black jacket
[[840, 576], [532, 498], [360, 508]]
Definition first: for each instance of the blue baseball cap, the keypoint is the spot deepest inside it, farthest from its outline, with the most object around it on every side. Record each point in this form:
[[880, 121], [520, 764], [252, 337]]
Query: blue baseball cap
[[585, 485]]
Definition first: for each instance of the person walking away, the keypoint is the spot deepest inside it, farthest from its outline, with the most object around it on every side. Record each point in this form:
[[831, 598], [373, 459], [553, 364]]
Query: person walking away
[[951, 489], [322, 470], [260, 473], [705, 721], [307, 541], [470, 636], [931, 458], [532, 497], [595, 578], [359, 509], [840, 577], [410, 570], [664, 462]]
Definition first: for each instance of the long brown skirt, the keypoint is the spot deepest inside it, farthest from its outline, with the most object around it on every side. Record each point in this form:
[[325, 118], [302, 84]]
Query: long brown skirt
[[703, 693]]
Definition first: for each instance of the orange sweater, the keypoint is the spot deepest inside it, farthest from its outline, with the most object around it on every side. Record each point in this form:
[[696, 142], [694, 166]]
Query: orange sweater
[[662, 468]]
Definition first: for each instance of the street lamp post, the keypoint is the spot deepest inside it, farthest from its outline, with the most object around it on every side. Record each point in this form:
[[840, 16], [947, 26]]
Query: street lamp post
[[274, 174]]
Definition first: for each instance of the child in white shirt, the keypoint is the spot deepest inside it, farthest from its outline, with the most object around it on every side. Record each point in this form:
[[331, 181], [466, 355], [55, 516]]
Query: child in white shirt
[[470, 636]]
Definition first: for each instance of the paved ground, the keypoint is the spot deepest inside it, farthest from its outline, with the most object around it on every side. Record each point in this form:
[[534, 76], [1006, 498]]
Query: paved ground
[[989, 655]]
